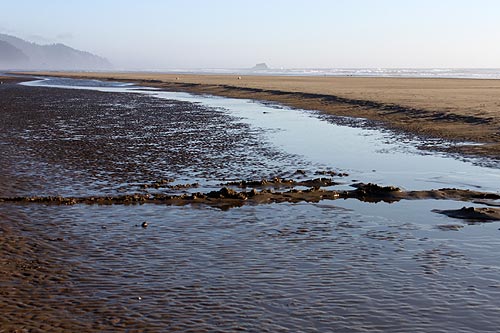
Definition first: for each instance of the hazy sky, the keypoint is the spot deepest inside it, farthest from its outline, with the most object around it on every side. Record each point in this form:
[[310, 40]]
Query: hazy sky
[[164, 34]]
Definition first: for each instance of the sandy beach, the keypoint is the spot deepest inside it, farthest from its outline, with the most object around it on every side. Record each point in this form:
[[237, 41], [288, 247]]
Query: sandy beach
[[454, 109]]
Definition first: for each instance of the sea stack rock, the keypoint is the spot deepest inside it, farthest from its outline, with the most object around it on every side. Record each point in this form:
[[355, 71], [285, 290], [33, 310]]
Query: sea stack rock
[[260, 67]]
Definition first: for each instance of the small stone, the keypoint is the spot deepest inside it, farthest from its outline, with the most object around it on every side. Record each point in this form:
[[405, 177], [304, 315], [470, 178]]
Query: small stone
[[144, 224]]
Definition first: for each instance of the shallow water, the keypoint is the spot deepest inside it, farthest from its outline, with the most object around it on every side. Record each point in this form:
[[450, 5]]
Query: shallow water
[[339, 266]]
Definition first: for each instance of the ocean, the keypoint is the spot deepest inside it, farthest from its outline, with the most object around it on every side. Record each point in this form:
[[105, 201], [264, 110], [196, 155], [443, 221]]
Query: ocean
[[457, 73]]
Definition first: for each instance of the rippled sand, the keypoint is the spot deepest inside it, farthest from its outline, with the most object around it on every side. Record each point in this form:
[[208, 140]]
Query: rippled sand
[[303, 267]]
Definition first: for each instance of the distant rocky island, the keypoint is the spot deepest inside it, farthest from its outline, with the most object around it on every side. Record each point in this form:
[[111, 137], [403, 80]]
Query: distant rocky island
[[16, 53], [260, 67]]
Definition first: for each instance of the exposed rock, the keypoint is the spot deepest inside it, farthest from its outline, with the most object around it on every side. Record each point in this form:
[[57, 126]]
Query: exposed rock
[[317, 182], [226, 198], [375, 188], [375, 191], [260, 67], [277, 182], [227, 193], [472, 213]]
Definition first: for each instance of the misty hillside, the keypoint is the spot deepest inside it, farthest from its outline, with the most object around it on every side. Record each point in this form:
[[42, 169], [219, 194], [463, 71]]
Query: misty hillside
[[16, 53], [11, 55]]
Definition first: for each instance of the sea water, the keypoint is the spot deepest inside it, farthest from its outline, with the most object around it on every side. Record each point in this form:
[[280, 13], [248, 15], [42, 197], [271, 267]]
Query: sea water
[[456, 73]]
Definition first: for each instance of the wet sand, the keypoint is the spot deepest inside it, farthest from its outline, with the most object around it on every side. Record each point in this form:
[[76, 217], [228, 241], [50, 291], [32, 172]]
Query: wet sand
[[454, 109], [37, 280]]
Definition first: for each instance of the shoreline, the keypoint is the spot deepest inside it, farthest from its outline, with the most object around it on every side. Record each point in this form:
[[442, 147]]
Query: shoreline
[[458, 110]]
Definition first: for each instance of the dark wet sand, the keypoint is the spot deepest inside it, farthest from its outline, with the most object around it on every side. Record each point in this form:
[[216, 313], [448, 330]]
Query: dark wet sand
[[37, 291], [37, 277], [453, 109]]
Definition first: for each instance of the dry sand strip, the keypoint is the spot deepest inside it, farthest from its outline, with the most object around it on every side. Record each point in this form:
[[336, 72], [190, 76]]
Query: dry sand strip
[[453, 109]]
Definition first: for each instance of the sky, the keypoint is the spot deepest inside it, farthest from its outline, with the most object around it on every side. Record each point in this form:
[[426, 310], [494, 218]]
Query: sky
[[169, 34]]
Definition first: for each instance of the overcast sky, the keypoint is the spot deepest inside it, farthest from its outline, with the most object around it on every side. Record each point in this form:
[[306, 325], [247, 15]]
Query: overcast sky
[[167, 34]]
